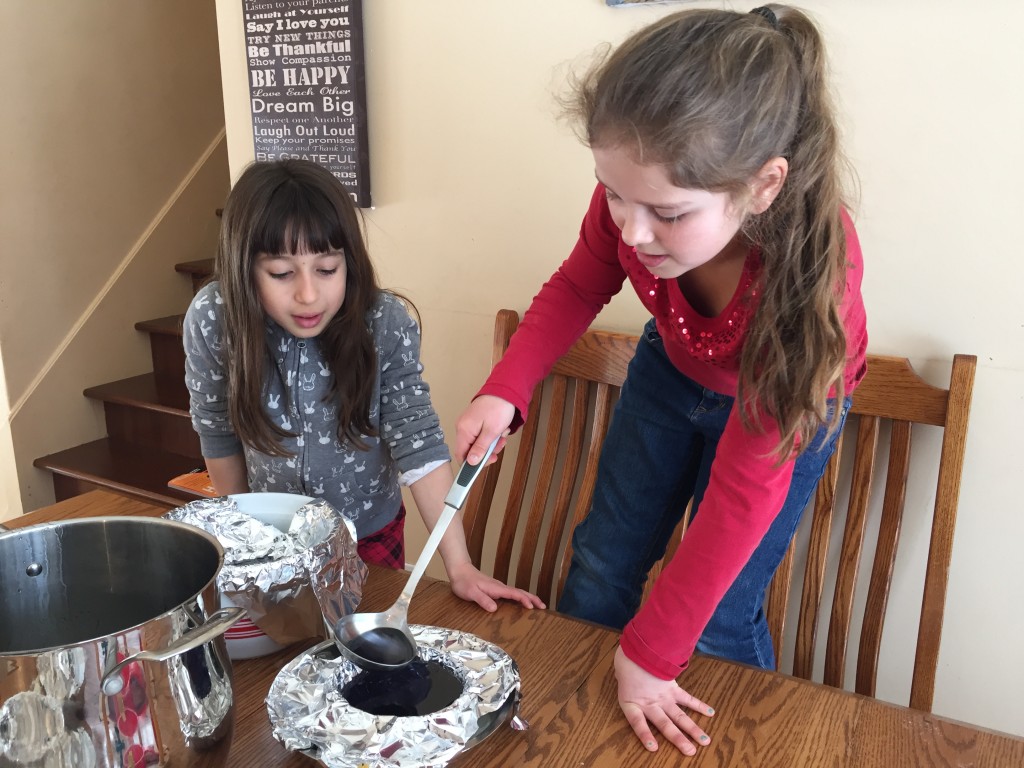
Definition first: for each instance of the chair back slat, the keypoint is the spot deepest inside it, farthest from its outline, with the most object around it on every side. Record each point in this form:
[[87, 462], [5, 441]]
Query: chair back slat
[[849, 556], [566, 487], [814, 571], [885, 558], [940, 550], [777, 604], [605, 396], [542, 481], [517, 490]]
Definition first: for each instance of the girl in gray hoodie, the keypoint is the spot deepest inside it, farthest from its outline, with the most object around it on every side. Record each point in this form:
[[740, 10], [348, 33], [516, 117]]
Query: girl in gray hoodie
[[304, 376]]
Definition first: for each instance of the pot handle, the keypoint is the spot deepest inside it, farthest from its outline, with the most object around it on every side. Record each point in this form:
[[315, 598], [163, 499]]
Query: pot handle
[[217, 624]]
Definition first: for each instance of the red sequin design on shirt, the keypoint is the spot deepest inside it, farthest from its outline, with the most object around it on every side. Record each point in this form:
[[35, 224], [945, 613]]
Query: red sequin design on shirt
[[715, 341]]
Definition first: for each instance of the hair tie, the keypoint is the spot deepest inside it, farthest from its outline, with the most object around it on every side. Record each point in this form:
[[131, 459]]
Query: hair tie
[[768, 15]]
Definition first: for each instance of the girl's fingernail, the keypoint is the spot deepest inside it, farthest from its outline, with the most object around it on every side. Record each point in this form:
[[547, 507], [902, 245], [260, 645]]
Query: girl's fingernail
[[704, 737], [650, 745], [711, 710]]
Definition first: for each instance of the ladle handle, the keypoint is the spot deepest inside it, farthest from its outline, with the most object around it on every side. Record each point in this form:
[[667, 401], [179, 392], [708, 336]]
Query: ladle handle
[[452, 503]]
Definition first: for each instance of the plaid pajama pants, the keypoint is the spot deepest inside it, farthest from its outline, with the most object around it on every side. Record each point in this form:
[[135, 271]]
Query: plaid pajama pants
[[386, 547]]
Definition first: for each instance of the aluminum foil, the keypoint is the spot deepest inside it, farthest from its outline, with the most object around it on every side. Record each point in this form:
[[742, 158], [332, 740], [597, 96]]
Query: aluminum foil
[[309, 714], [201, 689], [288, 583]]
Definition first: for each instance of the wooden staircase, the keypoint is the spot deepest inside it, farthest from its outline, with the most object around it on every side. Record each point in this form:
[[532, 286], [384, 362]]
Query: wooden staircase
[[149, 431]]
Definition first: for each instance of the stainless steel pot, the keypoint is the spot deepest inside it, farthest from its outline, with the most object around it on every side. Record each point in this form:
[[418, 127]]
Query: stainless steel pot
[[111, 646]]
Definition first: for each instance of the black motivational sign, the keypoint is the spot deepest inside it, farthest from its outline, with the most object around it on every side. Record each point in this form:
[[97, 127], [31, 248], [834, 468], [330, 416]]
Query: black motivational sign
[[307, 85]]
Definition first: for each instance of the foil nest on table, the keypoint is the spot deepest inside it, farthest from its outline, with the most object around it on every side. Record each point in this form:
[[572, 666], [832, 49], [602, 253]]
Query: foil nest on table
[[309, 714], [271, 573]]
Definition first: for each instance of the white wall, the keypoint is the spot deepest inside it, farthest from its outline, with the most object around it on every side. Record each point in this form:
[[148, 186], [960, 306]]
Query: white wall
[[479, 193], [10, 499], [108, 107]]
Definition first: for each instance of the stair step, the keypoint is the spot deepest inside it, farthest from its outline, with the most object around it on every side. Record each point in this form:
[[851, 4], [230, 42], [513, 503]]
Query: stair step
[[168, 326], [199, 271], [144, 391], [198, 267], [149, 410], [128, 468], [165, 348]]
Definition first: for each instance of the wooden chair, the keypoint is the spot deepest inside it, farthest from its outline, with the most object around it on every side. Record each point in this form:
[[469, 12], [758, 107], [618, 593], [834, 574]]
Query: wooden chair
[[891, 392], [569, 417], [575, 406]]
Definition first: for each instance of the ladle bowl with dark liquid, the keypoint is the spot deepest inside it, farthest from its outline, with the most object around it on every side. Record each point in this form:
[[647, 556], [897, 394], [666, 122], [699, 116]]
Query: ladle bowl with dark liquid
[[382, 642], [376, 641]]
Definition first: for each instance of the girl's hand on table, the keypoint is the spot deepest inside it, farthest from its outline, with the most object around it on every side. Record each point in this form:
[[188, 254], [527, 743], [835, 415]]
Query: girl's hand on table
[[645, 698], [470, 584]]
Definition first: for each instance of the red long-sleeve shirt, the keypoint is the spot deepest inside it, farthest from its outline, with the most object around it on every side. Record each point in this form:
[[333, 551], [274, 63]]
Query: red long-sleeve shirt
[[746, 489]]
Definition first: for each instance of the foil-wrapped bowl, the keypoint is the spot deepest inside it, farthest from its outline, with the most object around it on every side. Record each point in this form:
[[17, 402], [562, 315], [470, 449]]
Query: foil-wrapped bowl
[[309, 714], [289, 581]]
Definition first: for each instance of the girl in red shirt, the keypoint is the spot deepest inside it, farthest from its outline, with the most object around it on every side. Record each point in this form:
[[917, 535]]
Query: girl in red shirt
[[719, 198]]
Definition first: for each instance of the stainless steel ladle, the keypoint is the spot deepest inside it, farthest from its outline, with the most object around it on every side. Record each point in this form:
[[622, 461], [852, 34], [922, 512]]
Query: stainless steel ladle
[[382, 642]]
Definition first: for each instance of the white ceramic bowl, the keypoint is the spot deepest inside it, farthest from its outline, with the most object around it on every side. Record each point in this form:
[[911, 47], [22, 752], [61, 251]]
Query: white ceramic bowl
[[245, 640]]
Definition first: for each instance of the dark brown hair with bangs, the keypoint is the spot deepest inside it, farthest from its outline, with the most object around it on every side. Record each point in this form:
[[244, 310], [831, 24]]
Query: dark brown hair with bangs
[[284, 207], [712, 96]]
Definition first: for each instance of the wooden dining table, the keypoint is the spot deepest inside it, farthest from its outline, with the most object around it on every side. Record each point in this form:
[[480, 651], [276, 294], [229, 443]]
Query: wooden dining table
[[762, 718]]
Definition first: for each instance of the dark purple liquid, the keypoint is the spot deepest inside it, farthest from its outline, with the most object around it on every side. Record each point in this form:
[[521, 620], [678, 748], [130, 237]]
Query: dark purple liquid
[[383, 645], [420, 688]]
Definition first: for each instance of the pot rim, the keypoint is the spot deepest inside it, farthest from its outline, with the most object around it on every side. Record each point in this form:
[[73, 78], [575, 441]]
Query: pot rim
[[130, 519]]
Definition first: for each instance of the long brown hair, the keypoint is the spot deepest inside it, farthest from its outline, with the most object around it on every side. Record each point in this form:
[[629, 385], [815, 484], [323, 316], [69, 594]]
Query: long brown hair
[[283, 207], [712, 96]]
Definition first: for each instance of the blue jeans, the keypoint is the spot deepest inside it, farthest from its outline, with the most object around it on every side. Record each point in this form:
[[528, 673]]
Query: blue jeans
[[656, 457]]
